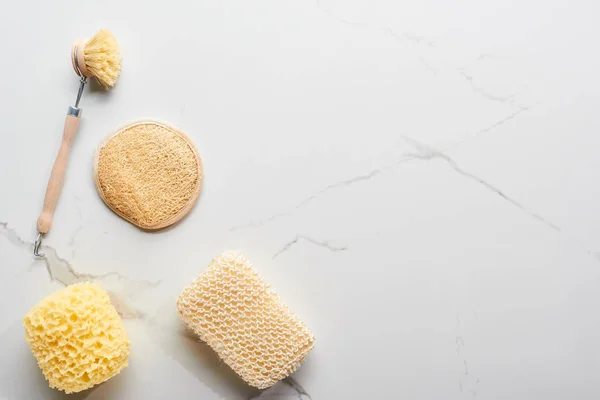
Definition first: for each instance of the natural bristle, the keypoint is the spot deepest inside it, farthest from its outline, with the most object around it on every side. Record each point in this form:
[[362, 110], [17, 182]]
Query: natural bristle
[[103, 58]]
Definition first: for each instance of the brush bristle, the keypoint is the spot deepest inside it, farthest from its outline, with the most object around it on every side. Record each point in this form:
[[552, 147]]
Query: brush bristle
[[103, 58]]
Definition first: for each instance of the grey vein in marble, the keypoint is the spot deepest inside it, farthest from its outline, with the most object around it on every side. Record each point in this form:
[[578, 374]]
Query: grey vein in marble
[[285, 389], [310, 240], [483, 92], [427, 65], [407, 36], [61, 271], [427, 153], [124, 309], [460, 343], [400, 36], [305, 201], [12, 236], [419, 40], [423, 152], [494, 125]]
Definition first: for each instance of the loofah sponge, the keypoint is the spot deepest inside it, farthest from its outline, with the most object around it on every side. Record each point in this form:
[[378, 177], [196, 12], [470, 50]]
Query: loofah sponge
[[149, 173], [77, 337], [231, 308]]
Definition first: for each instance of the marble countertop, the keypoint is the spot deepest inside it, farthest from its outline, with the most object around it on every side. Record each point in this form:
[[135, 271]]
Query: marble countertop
[[418, 180]]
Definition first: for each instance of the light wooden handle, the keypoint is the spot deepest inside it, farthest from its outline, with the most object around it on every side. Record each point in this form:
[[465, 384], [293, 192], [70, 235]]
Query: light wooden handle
[[57, 176]]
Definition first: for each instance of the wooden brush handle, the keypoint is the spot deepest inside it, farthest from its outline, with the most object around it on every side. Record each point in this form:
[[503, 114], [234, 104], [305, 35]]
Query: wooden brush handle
[[57, 176]]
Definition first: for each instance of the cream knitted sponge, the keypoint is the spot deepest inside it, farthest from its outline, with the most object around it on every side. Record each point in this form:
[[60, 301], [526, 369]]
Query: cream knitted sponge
[[232, 309], [77, 337]]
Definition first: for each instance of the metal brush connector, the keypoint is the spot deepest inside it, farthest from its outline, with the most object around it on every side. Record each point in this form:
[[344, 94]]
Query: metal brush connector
[[74, 111]]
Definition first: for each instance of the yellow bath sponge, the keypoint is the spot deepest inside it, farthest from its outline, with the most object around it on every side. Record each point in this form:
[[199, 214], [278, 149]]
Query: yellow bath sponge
[[232, 309], [77, 337]]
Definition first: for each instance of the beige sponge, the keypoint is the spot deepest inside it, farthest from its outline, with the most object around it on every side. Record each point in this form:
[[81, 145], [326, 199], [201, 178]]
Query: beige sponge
[[149, 173], [232, 309], [77, 337]]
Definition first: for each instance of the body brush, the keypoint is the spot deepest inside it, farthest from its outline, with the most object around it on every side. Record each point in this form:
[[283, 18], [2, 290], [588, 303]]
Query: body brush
[[97, 57]]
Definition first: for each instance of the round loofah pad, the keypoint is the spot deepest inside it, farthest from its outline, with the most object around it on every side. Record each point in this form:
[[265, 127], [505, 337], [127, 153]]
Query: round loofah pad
[[149, 173]]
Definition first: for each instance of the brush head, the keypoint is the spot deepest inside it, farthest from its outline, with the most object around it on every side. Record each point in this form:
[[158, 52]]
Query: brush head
[[99, 57]]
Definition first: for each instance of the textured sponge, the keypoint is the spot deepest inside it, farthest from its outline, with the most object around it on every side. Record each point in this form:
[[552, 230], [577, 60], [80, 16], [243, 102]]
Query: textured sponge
[[149, 173], [231, 308], [77, 337]]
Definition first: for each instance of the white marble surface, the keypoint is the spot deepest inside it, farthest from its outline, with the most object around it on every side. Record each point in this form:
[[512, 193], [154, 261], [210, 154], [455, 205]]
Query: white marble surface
[[418, 180]]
